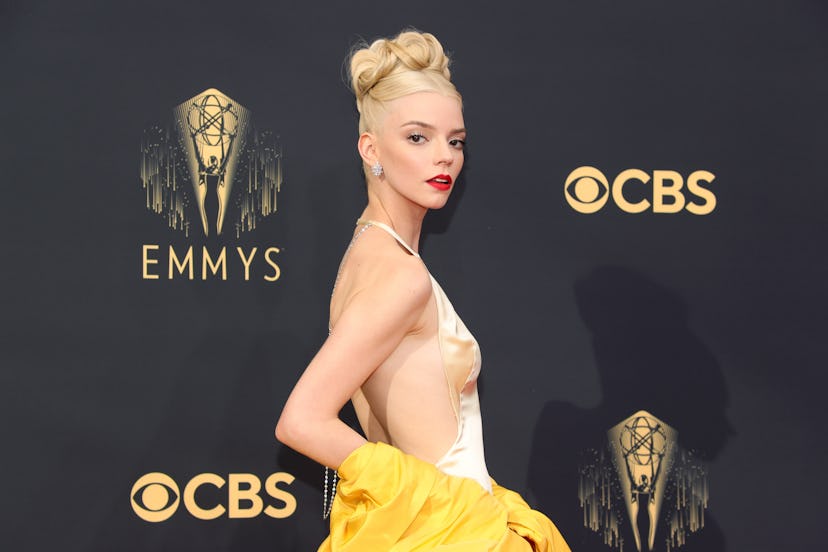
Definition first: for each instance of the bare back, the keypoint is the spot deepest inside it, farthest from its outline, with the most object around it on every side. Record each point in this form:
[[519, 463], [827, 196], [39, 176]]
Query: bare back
[[406, 401]]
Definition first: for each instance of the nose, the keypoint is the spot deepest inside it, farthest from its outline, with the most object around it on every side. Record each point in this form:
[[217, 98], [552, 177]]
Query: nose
[[443, 153]]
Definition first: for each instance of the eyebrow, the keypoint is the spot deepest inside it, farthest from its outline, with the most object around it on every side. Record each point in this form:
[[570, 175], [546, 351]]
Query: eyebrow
[[432, 127]]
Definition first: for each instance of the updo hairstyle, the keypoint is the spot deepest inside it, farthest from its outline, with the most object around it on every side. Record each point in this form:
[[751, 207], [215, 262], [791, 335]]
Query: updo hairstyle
[[391, 68]]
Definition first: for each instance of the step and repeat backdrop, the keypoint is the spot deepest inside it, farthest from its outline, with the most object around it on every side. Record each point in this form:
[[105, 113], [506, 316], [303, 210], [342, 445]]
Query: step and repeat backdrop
[[637, 241]]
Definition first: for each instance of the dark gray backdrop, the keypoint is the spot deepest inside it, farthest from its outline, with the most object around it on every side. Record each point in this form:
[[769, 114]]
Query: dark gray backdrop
[[714, 323]]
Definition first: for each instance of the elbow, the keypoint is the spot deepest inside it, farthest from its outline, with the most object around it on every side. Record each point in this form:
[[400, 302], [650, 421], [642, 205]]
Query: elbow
[[288, 430], [282, 430]]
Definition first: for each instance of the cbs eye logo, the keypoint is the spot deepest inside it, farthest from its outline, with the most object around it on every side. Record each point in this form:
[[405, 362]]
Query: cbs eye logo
[[587, 190], [155, 496]]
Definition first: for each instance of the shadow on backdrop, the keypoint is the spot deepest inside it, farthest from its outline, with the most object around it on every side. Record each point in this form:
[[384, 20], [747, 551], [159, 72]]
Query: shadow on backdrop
[[647, 359]]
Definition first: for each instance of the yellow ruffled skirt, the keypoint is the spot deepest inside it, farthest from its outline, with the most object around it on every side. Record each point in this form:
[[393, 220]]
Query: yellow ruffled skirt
[[391, 501]]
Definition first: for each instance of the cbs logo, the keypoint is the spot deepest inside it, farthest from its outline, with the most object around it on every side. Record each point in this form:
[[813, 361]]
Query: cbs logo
[[155, 496], [587, 191]]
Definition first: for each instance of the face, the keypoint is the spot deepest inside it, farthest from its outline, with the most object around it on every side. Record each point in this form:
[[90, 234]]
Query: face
[[420, 146]]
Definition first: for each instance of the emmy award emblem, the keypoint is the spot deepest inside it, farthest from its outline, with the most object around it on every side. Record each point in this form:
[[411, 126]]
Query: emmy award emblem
[[211, 163], [642, 467], [642, 447], [213, 129]]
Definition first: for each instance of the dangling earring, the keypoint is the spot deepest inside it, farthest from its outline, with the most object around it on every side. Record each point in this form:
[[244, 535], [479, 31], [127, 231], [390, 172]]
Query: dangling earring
[[376, 169]]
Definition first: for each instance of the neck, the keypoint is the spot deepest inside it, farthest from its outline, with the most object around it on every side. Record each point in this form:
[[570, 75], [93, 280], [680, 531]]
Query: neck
[[405, 217]]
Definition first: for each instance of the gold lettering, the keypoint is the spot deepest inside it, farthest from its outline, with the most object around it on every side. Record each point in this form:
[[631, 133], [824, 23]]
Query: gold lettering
[[694, 188], [174, 262], [277, 272], [237, 494], [275, 492], [189, 496], [145, 261], [618, 190], [660, 191], [247, 261], [214, 267]]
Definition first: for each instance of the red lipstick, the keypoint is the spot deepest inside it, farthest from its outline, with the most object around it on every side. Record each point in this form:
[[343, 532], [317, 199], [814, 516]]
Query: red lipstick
[[442, 182]]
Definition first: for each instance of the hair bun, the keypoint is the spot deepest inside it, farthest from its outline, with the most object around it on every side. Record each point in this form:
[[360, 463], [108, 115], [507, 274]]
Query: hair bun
[[408, 51], [390, 68]]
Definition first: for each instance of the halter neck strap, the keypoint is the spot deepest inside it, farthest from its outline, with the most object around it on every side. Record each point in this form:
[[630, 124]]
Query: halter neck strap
[[390, 230]]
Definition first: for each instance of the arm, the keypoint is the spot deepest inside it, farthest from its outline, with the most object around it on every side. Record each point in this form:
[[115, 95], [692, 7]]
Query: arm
[[374, 321]]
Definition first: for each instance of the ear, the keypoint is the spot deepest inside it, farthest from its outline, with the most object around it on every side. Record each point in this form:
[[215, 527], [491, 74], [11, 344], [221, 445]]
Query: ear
[[367, 146]]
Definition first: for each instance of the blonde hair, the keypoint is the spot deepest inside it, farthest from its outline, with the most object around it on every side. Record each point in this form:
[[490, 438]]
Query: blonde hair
[[394, 67]]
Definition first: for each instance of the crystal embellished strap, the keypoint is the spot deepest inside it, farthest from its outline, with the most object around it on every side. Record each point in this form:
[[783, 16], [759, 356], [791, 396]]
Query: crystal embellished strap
[[326, 504], [390, 230], [342, 263]]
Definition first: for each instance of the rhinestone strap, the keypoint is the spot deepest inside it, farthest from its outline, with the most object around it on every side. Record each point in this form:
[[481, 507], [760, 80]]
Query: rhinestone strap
[[327, 505], [342, 263]]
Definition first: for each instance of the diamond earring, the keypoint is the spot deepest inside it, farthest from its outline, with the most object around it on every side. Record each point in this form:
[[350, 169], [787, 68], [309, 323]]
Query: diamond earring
[[376, 169]]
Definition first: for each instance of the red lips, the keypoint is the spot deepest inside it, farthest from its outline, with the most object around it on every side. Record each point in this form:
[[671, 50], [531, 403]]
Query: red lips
[[442, 182]]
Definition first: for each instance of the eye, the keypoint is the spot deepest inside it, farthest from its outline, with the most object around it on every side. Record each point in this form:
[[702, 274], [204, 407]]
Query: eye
[[586, 190], [416, 138], [155, 497], [457, 143]]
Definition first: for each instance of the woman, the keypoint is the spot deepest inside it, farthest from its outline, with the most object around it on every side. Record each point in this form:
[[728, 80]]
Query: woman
[[417, 480]]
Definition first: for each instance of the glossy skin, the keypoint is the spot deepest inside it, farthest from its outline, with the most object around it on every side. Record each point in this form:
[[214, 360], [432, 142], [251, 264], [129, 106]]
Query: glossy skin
[[383, 352]]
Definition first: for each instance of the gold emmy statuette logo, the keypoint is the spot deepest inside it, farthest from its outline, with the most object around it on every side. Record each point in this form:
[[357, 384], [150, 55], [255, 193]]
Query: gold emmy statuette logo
[[154, 497], [213, 129], [639, 472], [642, 447], [587, 190], [208, 162]]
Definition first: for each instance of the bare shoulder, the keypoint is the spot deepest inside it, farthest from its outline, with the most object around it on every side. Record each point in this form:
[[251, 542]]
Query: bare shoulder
[[385, 279], [381, 265]]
